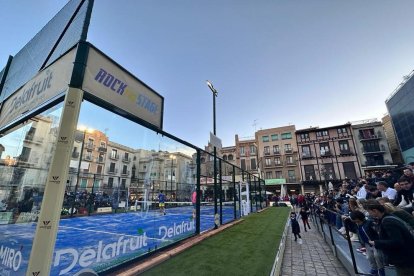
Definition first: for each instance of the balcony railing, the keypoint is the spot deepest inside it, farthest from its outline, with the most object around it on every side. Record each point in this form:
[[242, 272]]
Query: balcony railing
[[102, 149], [326, 153], [100, 160], [266, 152], [126, 159], [125, 172], [114, 156], [293, 163], [89, 146], [88, 157], [75, 154], [380, 149], [345, 151], [292, 180], [370, 137], [33, 138], [279, 164], [112, 171], [306, 155], [288, 150]]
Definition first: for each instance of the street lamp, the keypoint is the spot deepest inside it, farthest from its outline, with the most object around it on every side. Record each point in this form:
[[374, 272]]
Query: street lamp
[[215, 93], [172, 163]]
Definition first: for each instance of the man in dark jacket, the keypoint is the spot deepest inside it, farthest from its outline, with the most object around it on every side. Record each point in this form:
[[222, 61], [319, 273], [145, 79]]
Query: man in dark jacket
[[395, 240]]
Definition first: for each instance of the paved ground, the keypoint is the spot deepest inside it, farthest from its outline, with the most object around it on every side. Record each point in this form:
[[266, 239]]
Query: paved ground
[[311, 258]]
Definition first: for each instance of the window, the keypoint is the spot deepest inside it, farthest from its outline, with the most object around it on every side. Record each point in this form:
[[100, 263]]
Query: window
[[99, 169], [276, 149], [124, 169], [224, 157], [88, 155], [112, 167], [103, 145], [309, 172], [268, 161], [241, 150], [266, 150], [243, 164], [252, 149], [101, 158], [291, 176], [83, 183], [126, 156], [253, 163], [123, 184], [230, 157], [114, 154], [349, 170], [342, 130], [324, 149], [344, 146], [289, 160], [279, 175], [277, 161], [288, 148], [328, 172], [275, 137], [24, 156], [269, 175], [286, 136], [265, 138], [110, 182], [322, 133], [371, 146], [89, 145], [306, 152], [304, 136]]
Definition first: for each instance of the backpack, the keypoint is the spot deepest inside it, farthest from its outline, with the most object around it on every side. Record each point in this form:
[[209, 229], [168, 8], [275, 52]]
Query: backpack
[[407, 226]]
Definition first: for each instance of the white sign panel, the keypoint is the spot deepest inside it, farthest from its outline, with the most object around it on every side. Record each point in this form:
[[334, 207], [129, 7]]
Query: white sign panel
[[107, 81], [215, 141], [47, 84]]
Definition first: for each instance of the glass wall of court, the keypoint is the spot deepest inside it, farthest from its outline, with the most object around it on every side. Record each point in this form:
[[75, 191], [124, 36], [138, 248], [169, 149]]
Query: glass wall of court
[[111, 212]]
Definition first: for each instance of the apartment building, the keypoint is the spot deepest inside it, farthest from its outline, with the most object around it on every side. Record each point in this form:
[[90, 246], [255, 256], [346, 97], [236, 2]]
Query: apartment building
[[278, 159], [392, 140], [118, 166], [371, 146], [246, 154], [327, 155]]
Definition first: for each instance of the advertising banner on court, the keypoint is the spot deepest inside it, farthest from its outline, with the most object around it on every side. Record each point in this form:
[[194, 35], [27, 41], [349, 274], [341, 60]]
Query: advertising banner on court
[[47, 84], [114, 85]]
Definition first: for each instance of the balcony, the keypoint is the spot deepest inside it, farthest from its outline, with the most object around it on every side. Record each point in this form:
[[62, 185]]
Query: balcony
[[288, 150], [31, 138], [89, 146], [98, 175], [112, 171], [266, 152], [279, 164], [102, 149], [125, 173], [291, 163], [100, 160], [376, 163], [88, 158], [345, 152], [126, 159], [326, 153], [374, 150], [306, 155], [276, 152], [75, 154], [370, 137], [114, 156]]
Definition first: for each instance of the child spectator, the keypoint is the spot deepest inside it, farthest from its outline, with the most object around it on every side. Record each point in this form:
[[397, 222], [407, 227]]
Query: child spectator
[[295, 226]]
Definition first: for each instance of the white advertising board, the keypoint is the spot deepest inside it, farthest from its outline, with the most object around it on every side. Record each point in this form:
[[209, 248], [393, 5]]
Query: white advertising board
[[47, 84], [107, 81]]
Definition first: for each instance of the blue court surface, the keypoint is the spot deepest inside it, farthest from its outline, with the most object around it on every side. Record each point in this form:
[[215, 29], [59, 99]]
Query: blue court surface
[[102, 241]]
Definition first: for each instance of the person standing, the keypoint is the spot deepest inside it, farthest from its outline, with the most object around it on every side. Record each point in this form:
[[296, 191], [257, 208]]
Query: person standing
[[295, 226], [161, 202], [395, 239], [304, 214]]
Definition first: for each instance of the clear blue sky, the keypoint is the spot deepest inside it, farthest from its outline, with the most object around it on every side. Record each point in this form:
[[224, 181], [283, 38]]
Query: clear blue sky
[[308, 63]]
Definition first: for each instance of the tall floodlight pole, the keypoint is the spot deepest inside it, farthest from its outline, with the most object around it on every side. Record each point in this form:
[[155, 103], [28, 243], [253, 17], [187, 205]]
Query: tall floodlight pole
[[215, 93]]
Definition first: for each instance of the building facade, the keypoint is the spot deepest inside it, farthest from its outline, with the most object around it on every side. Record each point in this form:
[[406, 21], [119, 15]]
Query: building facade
[[278, 159], [327, 155], [400, 106], [371, 146], [392, 140]]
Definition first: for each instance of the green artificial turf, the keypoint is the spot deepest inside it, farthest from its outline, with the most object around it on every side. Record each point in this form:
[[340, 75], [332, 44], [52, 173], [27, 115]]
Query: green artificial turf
[[248, 248]]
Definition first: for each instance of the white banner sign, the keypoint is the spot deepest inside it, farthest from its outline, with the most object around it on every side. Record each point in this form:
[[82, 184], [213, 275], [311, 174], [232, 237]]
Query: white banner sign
[[47, 84], [215, 141], [107, 81]]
